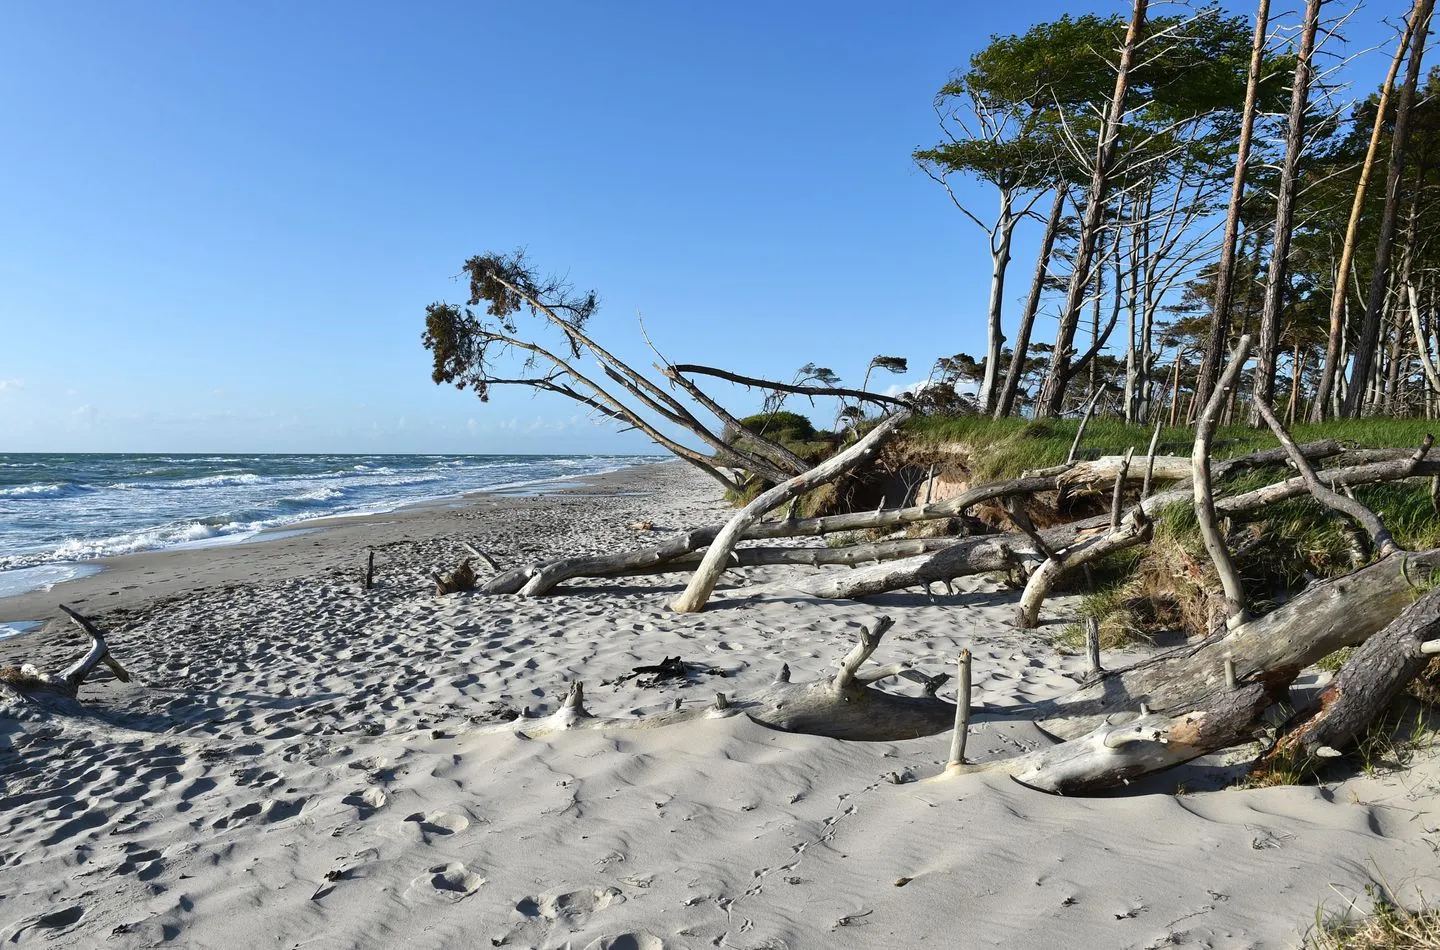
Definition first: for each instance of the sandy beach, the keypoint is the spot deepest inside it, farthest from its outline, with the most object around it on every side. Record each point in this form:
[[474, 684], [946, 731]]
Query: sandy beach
[[300, 763]]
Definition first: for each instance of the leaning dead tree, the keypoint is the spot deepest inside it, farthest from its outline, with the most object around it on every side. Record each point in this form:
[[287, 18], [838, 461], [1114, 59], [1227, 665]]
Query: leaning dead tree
[[28, 679], [479, 345]]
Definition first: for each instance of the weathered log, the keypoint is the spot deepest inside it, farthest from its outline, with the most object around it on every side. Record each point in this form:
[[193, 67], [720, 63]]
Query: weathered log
[[1203, 493], [477, 553], [368, 579], [29, 679], [1379, 535], [460, 579], [1101, 473], [1327, 615], [1135, 529], [645, 560], [1112, 755], [849, 555], [707, 575], [1369, 681], [978, 555]]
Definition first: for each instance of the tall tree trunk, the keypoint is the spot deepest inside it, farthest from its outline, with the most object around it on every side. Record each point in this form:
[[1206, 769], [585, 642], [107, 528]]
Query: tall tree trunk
[[1379, 278], [1220, 326], [1278, 277], [999, 263], [1052, 393], [1334, 358], [1006, 403]]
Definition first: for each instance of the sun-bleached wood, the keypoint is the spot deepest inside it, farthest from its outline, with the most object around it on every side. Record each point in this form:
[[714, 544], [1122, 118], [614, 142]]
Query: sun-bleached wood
[[1204, 493], [707, 575], [30, 679]]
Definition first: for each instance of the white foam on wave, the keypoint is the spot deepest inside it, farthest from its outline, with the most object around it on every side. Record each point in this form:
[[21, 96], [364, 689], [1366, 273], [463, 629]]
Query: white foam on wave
[[42, 577], [36, 491], [323, 493]]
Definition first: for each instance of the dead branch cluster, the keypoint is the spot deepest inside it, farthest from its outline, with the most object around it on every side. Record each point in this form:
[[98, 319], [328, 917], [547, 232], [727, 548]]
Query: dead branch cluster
[[1120, 724]]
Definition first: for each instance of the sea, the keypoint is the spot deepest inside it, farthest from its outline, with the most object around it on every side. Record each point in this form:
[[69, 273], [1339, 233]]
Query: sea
[[59, 513]]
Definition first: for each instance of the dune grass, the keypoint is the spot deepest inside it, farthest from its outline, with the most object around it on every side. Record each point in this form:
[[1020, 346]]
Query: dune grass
[[1012, 446]]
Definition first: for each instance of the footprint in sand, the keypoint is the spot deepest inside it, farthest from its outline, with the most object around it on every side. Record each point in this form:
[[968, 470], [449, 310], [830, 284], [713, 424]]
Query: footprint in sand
[[573, 904], [269, 811], [54, 921], [569, 908], [631, 941], [368, 801], [455, 880], [437, 823]]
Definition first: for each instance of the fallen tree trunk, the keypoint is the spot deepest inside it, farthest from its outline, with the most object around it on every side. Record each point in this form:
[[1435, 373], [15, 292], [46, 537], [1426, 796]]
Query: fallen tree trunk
[[1101, 473], [28, 679], [1326, 616], [982, 554], [849, 555], [707, 575], [1136, 529], [538, 579], [1113, 755], [1369, 681]]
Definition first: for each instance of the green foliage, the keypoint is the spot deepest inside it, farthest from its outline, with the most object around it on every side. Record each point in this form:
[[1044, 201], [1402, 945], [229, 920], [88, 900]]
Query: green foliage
[[781, 426], [465, 344]]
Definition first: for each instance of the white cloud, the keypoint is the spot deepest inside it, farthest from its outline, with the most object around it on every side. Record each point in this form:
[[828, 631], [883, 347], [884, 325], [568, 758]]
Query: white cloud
[[9, 385]]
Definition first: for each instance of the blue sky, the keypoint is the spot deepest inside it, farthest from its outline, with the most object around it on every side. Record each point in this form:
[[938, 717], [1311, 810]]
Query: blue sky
[[220, 222]]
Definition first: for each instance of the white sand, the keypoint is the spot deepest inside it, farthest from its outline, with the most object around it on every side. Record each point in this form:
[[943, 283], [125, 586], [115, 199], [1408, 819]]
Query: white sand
[[299, 764]]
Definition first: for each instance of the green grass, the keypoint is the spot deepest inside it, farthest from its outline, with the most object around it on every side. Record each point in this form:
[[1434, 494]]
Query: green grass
[[1011, 446]]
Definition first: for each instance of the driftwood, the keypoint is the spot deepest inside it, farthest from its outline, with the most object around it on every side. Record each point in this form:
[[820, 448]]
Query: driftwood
[[460, 579], [849, 706], [539, 579], [28, 679], [1099, 474], [1135, 529], [1367, 519], [1369, 681], [1203, 493], [1327, 615], [707, 575], [1112, 755]]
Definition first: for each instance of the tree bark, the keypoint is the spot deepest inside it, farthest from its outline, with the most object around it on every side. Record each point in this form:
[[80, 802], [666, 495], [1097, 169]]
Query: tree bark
[[1052, 393], [1277, 281], [1005, 405], [1334, 359], [1225, 273], [1373, 678], [1380, 277], [707, 575], [1326, 616]]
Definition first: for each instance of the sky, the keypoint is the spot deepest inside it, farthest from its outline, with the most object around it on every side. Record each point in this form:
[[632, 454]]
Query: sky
[[221, 222]]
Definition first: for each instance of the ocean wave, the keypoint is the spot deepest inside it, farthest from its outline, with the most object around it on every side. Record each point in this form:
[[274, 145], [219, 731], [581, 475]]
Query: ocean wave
[[323, 493], [233, 505], [59, 490], [209, 481]]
